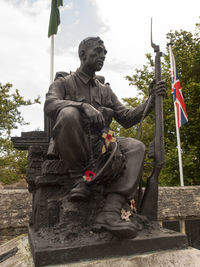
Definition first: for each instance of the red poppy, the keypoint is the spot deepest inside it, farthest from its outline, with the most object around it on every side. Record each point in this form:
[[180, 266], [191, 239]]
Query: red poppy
[[108, 137], [89, 175]]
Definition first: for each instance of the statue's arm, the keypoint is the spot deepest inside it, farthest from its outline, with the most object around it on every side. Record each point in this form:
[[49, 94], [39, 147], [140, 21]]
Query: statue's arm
[[129, 117], [56, 99]]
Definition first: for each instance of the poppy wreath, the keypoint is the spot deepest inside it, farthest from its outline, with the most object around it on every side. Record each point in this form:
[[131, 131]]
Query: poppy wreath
[[110, 164]]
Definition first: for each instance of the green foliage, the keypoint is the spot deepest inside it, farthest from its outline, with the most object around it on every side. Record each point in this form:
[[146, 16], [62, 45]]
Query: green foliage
[[13, 162], [186, 49]]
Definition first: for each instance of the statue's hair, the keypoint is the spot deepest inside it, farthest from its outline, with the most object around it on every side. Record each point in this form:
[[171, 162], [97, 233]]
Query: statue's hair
[[87, 43]]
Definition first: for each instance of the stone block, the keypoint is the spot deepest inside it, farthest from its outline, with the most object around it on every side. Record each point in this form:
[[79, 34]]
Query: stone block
[[22, 257]]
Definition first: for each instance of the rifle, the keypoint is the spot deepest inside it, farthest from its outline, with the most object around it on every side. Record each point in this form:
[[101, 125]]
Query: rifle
[[150, 199]]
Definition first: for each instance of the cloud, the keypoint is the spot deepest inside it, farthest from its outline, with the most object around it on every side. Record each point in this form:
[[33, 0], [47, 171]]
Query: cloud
[[79, 19], [124, 27], [25, 47], [24, 51], [117, 65]]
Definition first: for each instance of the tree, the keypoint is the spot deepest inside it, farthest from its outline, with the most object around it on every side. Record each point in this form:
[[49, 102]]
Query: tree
[[186, 49], [12, 162]]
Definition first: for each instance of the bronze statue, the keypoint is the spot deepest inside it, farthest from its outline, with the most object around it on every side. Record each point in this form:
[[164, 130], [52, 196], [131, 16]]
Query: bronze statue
[[82, 180], [82, 107]]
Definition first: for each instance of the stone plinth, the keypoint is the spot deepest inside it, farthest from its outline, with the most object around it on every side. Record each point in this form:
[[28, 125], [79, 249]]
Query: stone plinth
[[19, 246], [48, 252]]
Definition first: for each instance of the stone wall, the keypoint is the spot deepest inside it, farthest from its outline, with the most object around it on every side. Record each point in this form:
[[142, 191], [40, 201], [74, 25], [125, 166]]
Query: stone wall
[[15, 207], [179, 203], [175, 203]]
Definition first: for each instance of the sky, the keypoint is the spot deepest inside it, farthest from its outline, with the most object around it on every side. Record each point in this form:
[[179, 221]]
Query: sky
[[123, 25]]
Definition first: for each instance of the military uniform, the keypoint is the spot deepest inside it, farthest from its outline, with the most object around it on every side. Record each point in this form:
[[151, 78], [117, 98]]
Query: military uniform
[[64, 104]]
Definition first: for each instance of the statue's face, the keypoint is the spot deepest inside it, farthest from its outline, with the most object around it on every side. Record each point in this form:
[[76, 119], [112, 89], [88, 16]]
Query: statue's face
[[95, 56]]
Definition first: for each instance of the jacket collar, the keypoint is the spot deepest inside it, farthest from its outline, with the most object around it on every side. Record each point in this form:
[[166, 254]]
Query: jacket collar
[[84, 77]]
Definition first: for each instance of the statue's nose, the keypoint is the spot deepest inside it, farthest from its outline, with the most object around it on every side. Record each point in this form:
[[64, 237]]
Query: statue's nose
[[102, 56]]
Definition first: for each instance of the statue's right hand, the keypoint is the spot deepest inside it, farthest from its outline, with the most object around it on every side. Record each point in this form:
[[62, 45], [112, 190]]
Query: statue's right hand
[[94, 116]]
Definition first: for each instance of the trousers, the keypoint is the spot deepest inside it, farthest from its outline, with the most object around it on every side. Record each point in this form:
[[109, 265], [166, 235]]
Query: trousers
[[73, 147]]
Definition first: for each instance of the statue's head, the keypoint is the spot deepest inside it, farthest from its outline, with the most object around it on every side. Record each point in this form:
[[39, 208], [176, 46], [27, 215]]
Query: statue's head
[[92, 53]]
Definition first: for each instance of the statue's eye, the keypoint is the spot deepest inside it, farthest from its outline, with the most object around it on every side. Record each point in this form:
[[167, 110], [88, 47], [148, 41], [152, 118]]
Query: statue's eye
[[100, 50]]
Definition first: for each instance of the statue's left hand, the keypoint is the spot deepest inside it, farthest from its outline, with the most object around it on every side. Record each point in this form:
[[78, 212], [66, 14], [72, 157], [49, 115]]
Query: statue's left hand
[[94, 116], [157, 88]]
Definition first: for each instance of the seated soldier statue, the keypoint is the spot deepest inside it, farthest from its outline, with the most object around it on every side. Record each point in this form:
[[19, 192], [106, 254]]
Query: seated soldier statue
[[82, 108]]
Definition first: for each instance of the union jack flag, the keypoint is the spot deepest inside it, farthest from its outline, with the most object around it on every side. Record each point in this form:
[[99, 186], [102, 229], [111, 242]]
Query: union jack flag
[[181, 114]]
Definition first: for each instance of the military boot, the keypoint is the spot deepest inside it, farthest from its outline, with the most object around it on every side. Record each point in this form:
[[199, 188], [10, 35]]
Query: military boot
[[110, 218], [80, 191]]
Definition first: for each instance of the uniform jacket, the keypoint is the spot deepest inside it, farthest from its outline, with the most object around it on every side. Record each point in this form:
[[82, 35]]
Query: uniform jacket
[[77, 88]]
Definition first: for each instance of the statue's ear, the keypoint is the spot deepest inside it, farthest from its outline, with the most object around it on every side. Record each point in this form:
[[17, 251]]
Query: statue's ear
[[82, 54]]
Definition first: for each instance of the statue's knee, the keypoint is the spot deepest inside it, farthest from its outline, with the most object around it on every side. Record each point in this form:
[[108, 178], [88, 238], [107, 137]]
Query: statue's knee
[[141, 146], [136, 145], [69, 116], [68, 120]]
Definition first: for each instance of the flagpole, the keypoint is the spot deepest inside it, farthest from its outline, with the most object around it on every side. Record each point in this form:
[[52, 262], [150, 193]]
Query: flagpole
[[179, 148], [51, 78], [52, 59], [47, 121], [177, 129], [54, 22]]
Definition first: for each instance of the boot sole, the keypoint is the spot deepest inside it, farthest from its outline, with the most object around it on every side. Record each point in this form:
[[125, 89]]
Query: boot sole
[[122, 233]]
